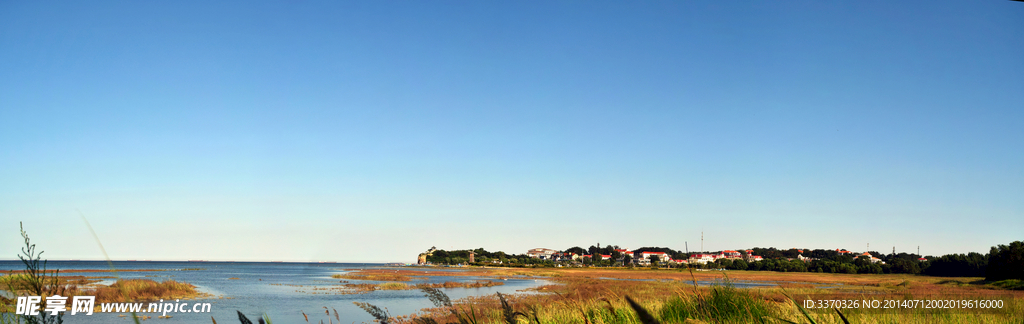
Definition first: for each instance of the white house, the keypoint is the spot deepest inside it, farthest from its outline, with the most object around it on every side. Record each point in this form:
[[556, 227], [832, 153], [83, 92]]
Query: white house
[[873, 259], [541, 253], [703, 258], [730, 254]]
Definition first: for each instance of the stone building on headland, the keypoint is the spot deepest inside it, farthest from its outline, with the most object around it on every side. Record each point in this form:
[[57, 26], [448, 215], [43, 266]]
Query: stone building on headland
[[422, 258]]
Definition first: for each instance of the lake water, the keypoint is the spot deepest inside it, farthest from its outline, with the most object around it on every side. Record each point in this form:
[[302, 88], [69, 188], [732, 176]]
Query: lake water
[[277, 293]]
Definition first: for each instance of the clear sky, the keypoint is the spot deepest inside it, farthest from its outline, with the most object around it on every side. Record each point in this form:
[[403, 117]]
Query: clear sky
[[373, 130]]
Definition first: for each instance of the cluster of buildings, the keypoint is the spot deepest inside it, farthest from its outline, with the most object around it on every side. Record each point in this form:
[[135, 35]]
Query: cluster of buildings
[[643, 258], [871, 258], [703, 258]]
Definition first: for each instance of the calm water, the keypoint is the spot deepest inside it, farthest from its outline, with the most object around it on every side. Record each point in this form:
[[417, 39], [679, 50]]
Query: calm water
[[276, 294]]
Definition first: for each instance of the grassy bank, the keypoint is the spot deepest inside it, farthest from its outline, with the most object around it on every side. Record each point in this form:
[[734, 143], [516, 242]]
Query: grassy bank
[[119, 291], [143, 290], [374, 275], [669, 296]]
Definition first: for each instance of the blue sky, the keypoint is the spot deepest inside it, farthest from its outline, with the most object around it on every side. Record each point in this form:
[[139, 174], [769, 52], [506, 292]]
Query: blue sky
[[371, 131]]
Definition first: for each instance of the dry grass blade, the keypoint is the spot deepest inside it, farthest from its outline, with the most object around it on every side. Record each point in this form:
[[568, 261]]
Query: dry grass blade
[[507, 313], [645, 317], [243, 319], [533, 315], [437, 297], [377, 313], [586, 319], [609, 307], [472, 312], [841, 316], [800, 307], [692, 277]]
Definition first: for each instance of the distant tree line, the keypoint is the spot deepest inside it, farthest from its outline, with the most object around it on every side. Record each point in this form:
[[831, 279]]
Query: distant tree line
[[484, 257], [1001, 263], [951, 265], [958, 265]]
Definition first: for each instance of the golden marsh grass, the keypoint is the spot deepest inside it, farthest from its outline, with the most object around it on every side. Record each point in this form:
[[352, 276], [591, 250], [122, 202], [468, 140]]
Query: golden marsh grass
[[585, 296]]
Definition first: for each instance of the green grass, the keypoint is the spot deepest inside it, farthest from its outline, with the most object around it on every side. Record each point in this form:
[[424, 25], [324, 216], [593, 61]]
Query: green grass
[[1012, 284], [721, 304]]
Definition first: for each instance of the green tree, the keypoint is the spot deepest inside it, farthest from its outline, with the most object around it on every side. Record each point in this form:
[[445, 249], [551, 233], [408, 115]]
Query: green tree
[[958, 265], [724, 263], [869, 268], [791, 253], [862, 260], [847, 268], [902, 265], [1006, 262], [616, 255], [577, 250]]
